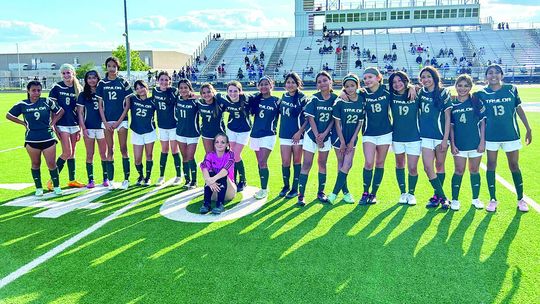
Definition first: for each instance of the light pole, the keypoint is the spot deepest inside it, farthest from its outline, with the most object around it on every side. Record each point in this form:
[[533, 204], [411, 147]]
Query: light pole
[[19, 66], [128, 57]]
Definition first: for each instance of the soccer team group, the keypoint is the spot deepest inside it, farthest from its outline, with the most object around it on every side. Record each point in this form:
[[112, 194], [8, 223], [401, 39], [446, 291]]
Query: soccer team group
[[422, 120]]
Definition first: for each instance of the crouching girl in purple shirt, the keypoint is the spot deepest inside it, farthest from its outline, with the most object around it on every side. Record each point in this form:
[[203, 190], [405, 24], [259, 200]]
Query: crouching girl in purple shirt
[[218, 172]]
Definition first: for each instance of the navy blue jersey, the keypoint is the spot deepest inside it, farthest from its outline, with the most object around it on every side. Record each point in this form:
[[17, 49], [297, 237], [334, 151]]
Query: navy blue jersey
[[187, 113], [321, 111], [92, 119], [113, 93], [405, 118], [465, 121], [142, 114], [348, 114], [501, 107], [211, 118], [291, 110], [431, 118], [266, 116], [238, 120], [377, 109], [165, 102], [66, 98], [37, 117]]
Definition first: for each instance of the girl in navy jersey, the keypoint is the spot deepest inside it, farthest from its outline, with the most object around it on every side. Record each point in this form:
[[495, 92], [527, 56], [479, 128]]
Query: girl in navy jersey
[[142, 110], [265, 109], [90, 123], [211, 115], [112, 92], [65, 94], [165, 98], [187, 130], [291, 132]]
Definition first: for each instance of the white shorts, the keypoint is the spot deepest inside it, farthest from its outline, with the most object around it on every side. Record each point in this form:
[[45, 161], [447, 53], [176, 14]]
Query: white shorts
[[409, 148], [267, 142], [506, 146], [70, 130], [123, 124], [96, 133], [289, 142], [429, 143], [167, 134], [380, 140], [469, 154], [187, 140], [143, 139], [238, 137], [311, 146]]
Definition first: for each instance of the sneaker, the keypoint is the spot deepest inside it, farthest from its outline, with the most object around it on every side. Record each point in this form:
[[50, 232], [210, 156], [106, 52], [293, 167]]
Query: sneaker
[[91, 184], [50, 185], [454, 205], [204, 209], [177, 181], [372, 199], [492, 206], [125, 185], [403, 198], [241, 186], [75, 184], [292, 193], [331, 198], [140, 181], [111, 185], [300, 202], [322, 197], [261, 194], [147, 182], [39, 192], [160, 181], [284, 191], [522, 206], [363, 200], [57, 191], [186, 184], [106, 183], [218, 209], [433, 202], [477, 204], [348, 198], [445, 204], [192, 185], [411, 200]]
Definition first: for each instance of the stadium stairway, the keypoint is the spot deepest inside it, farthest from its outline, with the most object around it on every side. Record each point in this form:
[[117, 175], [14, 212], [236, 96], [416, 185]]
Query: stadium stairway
[[277, 53], [216, 58], [342, 60], [535, 35]]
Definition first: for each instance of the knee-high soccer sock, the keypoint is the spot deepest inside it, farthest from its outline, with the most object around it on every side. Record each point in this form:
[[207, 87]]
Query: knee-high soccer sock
[[296, 175], [239, 166], [36, 175], [125, 166], [54, 177], [413, 179], [185, 168], [322, 181], [475, 185], [436, 184], [177, 164], [490, 177], [264, 173], [104, 169], [400, 176], [90, 171], [340, 181], [149, 166], [110, 169], [193, 170], [60, 164], [139, 169], [71, 168], [302, 181], [367, 177], [441, 177], [377, 179], [286, 171], [456, 185], [162, 163], [345, 187], [518, 183]]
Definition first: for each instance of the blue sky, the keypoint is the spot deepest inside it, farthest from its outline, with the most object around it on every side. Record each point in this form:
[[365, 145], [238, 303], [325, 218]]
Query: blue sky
[[165, 24]]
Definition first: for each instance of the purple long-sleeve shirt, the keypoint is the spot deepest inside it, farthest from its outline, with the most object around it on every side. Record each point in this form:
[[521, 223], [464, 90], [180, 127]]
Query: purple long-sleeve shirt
[[213, 163]]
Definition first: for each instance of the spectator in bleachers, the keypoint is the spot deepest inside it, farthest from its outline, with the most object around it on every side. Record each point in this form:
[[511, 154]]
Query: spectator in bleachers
[[373, 58], [338, 50], [205, 58], [419, 59], [358, 64], [394, 46], [246, 59], [240, 74], [262, 55], [394, 57], [513, 46], [507, 26]]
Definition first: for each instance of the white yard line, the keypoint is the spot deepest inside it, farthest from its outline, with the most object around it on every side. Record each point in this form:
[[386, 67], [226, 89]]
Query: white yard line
[[58, 249], [11, 149]]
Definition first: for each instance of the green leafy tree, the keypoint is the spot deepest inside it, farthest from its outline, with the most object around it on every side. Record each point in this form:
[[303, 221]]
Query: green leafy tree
[[137, 64], [83, 69]]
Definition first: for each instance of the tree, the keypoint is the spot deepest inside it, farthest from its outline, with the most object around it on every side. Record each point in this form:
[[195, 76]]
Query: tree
[[137, 64], [83, 69]]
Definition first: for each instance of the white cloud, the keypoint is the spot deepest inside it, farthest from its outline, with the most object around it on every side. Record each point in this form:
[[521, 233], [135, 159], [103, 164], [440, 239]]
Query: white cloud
[[98, 26], [19, 31], [508, 12], [150, 23]]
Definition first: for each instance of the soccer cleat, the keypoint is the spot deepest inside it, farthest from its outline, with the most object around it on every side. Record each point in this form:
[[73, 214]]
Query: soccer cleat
[[477, 204], [363, 200], [192, 185], [140, 181], [284, 191], [204, 209], [454, 205], [106, 183], [111, 185], [147, 182], [160, 181], [75, 184], [125, 185], [261, 194], [433, 202], [331, 198], [403, 198], [348, 198], [57, 191], [322, 197], [522, 206], [445, 204], [492, 206], [292, 193], [91, 184], [177, 181], [241, 186], [300, 202], [372, 199], [411, 200], [50, 185], [218, 209], [39, 192]]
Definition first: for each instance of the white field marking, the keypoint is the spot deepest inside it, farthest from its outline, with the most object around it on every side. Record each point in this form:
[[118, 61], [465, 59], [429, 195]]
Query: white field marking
[[174, 208], [11, 149], [531, 106], [512, 189], [16, 187], [58, 249]]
